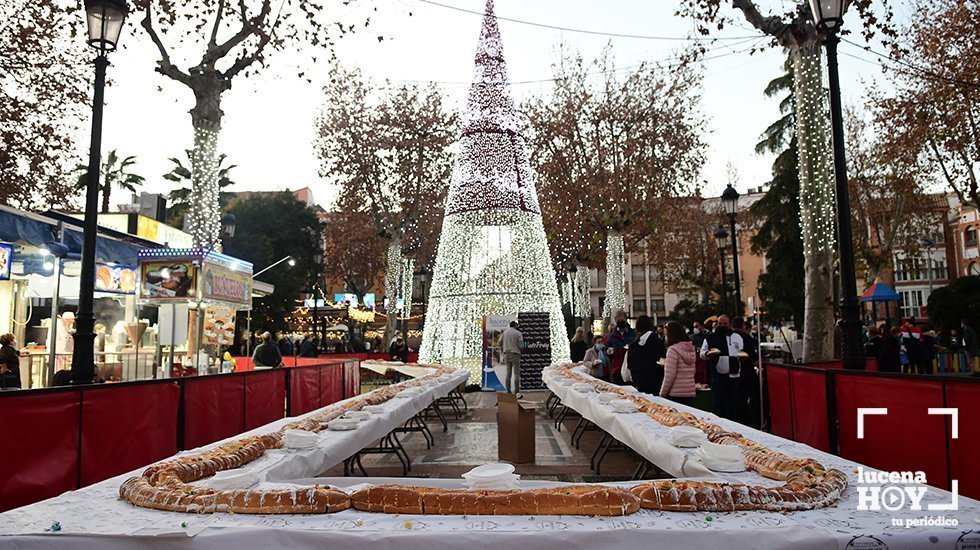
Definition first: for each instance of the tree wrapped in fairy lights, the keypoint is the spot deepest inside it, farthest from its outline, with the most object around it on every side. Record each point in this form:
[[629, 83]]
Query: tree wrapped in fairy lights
[[493, 257]]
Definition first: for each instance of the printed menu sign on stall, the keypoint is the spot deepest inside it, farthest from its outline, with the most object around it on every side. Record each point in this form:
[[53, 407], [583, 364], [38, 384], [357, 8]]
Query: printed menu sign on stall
[[117, 279], [225, 285], [6, 258], [167, 280]]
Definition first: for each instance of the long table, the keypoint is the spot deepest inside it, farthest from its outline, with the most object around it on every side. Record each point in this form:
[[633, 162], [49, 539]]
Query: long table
[[845, 524], [94, 517]]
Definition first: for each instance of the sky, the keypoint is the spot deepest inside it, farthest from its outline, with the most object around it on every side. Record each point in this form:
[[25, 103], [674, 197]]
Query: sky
[[268, 126]]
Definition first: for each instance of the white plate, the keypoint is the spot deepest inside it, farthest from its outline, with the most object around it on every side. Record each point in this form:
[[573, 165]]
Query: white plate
[[373, 408], [583, 387], [342, 425], [357, 415], [490, 471]]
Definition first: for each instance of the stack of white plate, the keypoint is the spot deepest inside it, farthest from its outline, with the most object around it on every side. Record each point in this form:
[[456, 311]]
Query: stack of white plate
[[299, 439], [409, 392], [721, 458], [623, 406], [607, 396], [342, 424], [583, 387], [360, 416], [373, 409], [492, 477], [237, 478], [687, 437]]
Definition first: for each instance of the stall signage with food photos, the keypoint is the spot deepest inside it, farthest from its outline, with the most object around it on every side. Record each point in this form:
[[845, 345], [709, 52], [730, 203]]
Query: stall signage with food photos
[[225, 285], [167, 280], [119, 279], [6, 259]]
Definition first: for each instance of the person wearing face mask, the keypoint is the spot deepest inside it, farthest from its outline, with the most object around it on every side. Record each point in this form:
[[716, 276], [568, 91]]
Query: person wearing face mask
[[596, 360], [621, 335], [698, 334], [9, 363], [721, 349]]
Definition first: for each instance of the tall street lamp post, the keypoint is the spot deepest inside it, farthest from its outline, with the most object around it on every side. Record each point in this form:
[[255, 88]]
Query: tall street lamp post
[[828, 16], [721, 237], [317, 271], [105, 20], [928, 242], [730, 199]]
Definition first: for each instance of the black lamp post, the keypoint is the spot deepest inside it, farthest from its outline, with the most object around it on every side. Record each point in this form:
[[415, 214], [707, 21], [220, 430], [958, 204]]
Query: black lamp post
[[828, 15], [105, 20], [721, 237], [317, 270], [730, 199]]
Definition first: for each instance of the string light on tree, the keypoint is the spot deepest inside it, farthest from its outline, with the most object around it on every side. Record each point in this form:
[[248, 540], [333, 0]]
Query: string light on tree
[[615, 275], [493, 256], [205, 213], [816, 189]]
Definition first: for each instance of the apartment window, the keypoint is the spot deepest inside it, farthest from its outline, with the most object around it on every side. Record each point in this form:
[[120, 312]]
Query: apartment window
[[911, 303], [657, 306], [601, 273], [654, 273], [639, 307], [970, 236]]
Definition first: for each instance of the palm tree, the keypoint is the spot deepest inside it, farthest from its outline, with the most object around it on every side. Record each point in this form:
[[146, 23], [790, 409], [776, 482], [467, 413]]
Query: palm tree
[[180, 198], [114, 172]]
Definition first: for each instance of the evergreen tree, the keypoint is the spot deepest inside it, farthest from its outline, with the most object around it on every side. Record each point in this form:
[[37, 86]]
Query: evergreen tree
[[779, 235]]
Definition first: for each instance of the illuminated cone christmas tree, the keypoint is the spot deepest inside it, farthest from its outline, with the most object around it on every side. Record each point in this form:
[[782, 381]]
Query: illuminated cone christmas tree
[[493, 256]]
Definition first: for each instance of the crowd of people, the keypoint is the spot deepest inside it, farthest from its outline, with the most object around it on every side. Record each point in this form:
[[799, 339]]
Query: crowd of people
[[670, 361], [905, 347], [270, 350]]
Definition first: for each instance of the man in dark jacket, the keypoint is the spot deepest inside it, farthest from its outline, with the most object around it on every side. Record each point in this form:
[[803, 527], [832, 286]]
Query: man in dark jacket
[[307, 348], [285, 346], [267, 354], [748, 383], [722, 348], [969, 341]]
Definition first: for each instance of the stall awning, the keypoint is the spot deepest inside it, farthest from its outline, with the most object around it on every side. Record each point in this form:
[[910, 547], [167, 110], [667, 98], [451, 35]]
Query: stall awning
[[880, 292], [21, 227]]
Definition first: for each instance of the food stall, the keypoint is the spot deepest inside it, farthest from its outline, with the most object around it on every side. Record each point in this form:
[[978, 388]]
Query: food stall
[[197, 293]]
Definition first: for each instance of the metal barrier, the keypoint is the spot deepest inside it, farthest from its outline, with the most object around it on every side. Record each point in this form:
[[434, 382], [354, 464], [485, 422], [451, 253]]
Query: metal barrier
[[818, 406], [64, 438]]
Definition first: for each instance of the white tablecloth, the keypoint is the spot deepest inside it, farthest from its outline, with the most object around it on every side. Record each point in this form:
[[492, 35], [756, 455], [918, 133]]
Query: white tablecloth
[[652, 441], [94, 517]]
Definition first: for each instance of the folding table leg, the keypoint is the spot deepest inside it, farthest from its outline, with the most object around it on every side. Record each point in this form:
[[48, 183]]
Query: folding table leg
[[595, 453], [438, 411], [426, 432], [578, 431]]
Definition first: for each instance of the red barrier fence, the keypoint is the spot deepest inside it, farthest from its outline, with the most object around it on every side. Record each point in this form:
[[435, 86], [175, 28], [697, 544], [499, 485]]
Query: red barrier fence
[[818, 405], [61, 439]]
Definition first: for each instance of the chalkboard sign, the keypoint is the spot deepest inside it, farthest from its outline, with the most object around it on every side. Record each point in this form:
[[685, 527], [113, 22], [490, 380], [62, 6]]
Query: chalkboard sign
[[536, 329]]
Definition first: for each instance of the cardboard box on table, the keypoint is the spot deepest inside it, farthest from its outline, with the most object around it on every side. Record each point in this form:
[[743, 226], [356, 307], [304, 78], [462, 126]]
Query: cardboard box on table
[[515, 429]]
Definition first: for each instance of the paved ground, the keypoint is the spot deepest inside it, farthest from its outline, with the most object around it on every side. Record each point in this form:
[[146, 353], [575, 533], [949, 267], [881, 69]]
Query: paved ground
[[472, 440]]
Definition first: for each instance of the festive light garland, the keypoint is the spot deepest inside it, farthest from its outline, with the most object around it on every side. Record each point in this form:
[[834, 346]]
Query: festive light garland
[[582, 291], [493, 256], [393, 273], [205, 213], [615, 274], [408, 270], [817, 199]]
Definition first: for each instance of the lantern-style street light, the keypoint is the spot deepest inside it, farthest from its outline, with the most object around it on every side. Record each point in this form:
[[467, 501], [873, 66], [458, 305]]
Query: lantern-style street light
[[730, 199], [828, 16], [721, 237], [105, 20]]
